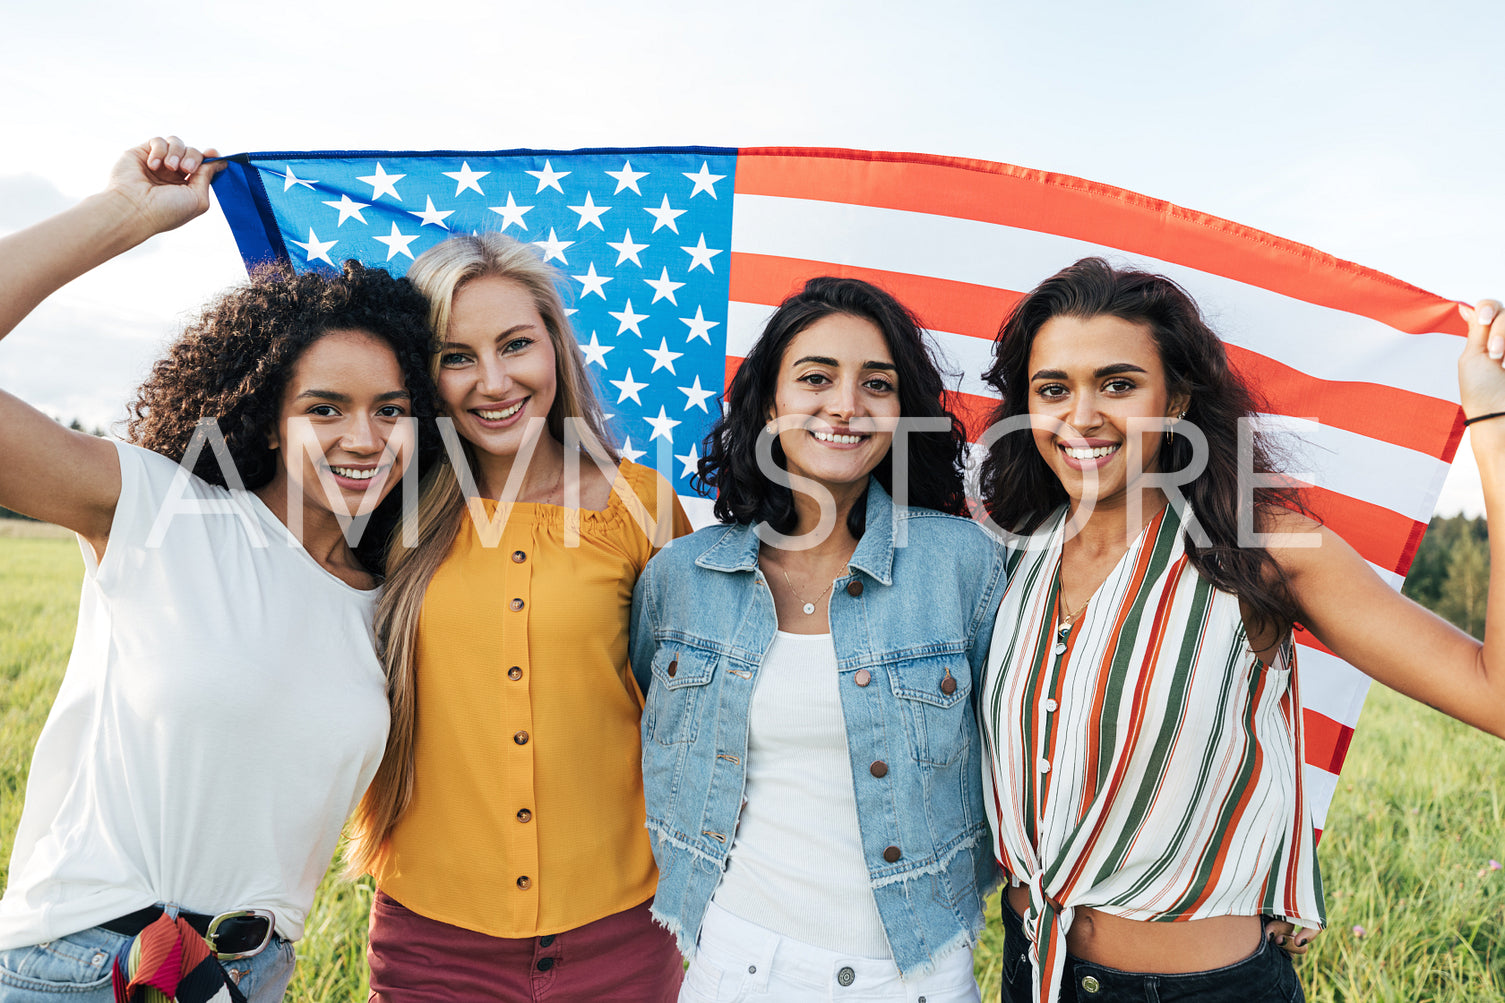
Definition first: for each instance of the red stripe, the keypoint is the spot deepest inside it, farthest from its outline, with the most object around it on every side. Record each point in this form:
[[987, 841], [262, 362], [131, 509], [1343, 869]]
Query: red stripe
[[1327, 740], [1415, 421], [941, 304], [1089, 211], [1381, 536]]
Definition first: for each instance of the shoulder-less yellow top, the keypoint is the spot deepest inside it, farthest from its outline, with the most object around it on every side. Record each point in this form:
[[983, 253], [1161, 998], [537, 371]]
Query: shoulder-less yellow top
[[527, 811]]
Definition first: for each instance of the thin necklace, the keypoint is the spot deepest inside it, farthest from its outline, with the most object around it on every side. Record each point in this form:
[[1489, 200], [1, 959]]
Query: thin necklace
[[809, 606]]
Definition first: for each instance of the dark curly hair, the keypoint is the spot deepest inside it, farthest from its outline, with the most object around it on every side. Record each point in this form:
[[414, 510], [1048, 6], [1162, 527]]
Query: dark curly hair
[[1020, 491], [730, 466], [233, 362]]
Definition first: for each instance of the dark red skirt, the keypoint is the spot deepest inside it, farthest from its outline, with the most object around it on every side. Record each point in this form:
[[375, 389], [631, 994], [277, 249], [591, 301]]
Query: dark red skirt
[[624, 958]]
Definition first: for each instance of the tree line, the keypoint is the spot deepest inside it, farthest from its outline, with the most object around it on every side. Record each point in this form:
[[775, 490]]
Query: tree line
[[1450, 575]]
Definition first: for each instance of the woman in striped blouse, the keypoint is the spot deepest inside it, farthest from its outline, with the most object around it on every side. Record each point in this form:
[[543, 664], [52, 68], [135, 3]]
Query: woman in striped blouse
[[1141, 710]]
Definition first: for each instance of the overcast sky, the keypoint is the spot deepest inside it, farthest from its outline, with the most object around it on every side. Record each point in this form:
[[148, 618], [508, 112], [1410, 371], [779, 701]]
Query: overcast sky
[[1370, 130]]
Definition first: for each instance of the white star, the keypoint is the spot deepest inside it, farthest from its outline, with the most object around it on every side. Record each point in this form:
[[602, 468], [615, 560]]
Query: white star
[[316, 249], [289, 179], [663, 288], [593, 282], [466, 178], [691, 461], [696, 395], [701, 255], [397, 243], [595, 351], [549, 178], [705, 181], [432, 215], [629, 320], [627, 178], [628, 453], [662, 357], [629, 388], [348, 208], [383, 183], [590, 213], [627, 249], [699, 327], [511, 213], [663, 425], [554, 248], [665, 216]]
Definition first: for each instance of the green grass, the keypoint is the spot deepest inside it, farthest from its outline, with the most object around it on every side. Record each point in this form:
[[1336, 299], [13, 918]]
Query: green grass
[[1406, 856]]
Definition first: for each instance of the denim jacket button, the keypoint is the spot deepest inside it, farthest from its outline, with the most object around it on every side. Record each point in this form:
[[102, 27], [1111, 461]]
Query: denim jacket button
[[948, 685], [879, 769], [673, 668], [863, 677], [854, 588], [892, 854]]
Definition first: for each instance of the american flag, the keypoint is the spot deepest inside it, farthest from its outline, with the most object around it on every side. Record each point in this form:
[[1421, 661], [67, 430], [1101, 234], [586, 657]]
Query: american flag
[[676, 256]]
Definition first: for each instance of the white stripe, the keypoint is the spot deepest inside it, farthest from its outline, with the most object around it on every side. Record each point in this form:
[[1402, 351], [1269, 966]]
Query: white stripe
[[1381, 473], [1394, 477], [1330, 686], [1318, 785], [1327, 343]]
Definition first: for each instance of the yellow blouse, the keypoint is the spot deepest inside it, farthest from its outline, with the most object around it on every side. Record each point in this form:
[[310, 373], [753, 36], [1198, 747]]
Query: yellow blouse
[[527, 811]]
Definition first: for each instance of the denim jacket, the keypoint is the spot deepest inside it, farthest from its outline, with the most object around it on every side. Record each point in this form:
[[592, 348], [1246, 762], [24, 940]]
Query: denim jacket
[[909, 618]]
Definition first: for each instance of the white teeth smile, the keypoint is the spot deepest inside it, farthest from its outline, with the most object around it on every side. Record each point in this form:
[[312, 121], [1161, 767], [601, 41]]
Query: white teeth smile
[[1096, 452], [499, 415], [845, 440], [356, 475]]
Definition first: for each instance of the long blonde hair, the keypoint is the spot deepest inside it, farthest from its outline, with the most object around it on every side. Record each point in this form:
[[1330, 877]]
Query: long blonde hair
[[439, 273]]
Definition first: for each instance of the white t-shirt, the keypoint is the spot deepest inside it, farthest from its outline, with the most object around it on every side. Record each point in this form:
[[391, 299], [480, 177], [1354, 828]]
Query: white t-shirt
[[221, 715], [796, 865]]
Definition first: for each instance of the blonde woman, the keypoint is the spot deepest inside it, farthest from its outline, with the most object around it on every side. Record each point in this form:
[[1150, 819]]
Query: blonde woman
[[505, 827]]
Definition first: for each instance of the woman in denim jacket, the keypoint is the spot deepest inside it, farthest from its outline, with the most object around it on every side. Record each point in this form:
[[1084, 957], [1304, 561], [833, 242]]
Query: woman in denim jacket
[[811, 756]]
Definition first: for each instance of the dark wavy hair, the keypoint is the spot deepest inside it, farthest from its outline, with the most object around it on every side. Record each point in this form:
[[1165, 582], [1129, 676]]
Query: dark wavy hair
[[730, 466], [233, 362], [1019, 490]]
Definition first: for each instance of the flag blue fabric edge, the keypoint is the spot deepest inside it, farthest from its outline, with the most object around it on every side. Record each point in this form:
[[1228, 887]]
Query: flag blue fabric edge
[[243, 200]]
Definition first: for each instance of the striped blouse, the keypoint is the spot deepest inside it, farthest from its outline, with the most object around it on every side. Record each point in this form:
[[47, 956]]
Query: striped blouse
[[1143, 763]]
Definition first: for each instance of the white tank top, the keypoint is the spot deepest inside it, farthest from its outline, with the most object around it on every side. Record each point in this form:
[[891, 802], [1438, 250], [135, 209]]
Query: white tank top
[[796, 864]]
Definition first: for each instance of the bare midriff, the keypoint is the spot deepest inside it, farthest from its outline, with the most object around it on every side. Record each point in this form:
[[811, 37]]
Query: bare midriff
[[1134, 945]]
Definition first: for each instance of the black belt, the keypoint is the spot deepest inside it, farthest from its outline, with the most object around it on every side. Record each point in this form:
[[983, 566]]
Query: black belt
[[133, 923]]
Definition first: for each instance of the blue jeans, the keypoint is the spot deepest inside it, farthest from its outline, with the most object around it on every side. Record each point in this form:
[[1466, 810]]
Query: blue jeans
[[77, 968], [1266, 976]]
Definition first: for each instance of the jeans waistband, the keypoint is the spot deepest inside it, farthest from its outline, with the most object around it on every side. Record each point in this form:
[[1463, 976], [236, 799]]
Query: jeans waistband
[[1267, 974]]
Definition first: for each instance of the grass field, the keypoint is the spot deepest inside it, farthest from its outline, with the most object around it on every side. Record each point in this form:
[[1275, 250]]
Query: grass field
[[1416, 896]]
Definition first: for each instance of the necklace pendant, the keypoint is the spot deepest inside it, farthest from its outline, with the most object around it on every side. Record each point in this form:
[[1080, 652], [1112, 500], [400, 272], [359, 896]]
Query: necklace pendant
[[809, 608]]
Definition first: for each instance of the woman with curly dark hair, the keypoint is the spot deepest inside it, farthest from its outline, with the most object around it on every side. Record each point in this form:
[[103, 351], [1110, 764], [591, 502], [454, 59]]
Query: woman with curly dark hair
[[810, 750], [223, 708], [1141, 708]]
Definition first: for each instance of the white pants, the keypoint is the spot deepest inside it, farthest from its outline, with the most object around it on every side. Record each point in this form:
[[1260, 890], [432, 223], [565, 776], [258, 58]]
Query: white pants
[[740, 962]]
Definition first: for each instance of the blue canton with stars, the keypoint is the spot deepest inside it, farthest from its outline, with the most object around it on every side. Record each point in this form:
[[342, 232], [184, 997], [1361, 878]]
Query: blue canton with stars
[[642, 237]]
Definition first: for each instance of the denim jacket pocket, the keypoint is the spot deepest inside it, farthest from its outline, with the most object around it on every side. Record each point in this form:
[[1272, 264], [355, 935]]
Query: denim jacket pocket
[[680, 674], [933, 691]]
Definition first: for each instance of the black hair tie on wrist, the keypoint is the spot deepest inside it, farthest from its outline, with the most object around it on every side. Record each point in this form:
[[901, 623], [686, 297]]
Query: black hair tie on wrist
[[1483, 417]]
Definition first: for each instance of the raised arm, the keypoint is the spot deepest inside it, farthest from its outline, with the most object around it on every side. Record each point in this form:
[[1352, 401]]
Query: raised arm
[[47, 471], [1392, 639]]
